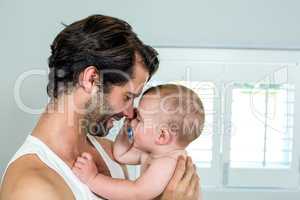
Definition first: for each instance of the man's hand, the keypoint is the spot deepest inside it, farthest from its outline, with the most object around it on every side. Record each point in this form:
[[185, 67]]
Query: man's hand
[[184, 184], [85, 168]]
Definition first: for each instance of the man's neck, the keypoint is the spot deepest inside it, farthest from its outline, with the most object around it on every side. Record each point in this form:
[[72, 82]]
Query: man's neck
[[61, 132]]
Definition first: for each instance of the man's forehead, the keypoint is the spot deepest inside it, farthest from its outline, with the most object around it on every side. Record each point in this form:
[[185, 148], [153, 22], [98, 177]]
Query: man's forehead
[[140, 76]]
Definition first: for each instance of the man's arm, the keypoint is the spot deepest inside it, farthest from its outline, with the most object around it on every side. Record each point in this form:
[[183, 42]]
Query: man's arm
[[184, 184], [32, 186]]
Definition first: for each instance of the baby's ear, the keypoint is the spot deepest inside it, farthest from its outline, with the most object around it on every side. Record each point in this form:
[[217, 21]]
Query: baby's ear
[[164, 137]]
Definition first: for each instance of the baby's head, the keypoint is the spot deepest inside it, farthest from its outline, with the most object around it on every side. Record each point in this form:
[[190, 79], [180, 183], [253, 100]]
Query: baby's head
[[168, 116]]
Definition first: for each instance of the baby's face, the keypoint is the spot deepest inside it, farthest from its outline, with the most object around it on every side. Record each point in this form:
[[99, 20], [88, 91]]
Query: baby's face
[[146, 124]]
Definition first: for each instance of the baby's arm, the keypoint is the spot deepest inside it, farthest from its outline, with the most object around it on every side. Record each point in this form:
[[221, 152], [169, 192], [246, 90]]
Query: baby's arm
[[123, 150], [151, 184]]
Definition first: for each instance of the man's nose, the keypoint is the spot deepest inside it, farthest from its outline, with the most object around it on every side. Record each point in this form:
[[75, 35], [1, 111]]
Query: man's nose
[[129, 113]]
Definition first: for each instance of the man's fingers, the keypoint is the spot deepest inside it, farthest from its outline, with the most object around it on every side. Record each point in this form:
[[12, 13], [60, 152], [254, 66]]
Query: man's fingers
[[198, 190], [189, 171], [192, 186], [179, 171]]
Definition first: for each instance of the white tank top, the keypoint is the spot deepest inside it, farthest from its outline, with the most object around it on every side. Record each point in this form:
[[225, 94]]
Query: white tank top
[[33, 145]]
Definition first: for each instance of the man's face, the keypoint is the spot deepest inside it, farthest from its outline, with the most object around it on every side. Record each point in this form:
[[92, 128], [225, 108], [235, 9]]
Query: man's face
[[118, 103]]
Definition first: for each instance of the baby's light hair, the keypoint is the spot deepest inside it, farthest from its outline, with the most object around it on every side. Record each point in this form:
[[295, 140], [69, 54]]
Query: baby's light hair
[[182, 110]]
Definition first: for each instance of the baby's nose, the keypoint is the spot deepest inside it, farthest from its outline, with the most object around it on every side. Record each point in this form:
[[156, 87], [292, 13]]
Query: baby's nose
[[132, 122], [134, 113]]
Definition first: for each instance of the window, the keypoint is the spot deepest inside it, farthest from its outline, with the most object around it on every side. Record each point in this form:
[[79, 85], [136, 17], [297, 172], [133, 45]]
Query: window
[[260, 139], [262, 131]]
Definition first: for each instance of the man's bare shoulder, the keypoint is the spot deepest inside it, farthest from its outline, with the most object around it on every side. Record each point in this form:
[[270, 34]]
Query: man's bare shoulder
[[29, 178]]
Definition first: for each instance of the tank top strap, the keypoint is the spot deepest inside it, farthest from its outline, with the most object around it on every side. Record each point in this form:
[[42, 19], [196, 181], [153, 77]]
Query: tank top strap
[[116, 171], [99, 148], [33, 145]]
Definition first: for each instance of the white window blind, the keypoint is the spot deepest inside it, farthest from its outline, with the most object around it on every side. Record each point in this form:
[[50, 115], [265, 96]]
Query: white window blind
[[259, 116], [262, 126]]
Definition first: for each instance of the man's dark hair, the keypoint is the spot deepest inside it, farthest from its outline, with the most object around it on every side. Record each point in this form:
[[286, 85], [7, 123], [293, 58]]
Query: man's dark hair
[[105, 42]]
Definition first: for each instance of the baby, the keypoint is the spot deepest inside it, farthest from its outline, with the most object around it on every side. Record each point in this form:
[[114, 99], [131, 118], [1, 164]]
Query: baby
[[168, 118]]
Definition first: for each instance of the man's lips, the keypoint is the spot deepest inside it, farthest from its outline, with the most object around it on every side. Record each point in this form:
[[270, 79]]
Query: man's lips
[[118, 116], [110, 120], [115, 117]]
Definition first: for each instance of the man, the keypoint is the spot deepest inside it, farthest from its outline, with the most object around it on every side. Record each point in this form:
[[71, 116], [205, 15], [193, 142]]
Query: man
[[98, 66]]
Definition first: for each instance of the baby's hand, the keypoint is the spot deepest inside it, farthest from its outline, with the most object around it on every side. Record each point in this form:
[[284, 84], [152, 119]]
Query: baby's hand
[[85, 168]]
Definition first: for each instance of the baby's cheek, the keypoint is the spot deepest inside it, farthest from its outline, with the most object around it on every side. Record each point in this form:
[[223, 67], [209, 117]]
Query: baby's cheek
[[138, 134], [149, 131]]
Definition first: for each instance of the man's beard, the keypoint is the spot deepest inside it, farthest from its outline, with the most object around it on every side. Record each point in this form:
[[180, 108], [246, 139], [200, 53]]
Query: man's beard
[[99, 114]]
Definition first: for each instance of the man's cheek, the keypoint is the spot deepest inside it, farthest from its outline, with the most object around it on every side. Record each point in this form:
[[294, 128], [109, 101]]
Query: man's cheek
[[116, 105], [121, 105]]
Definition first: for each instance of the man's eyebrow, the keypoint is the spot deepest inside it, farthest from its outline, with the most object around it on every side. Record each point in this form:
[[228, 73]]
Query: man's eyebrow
[[134, 94]]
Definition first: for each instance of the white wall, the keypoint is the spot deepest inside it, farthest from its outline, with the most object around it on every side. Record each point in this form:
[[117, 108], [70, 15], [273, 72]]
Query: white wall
[[28, 27]]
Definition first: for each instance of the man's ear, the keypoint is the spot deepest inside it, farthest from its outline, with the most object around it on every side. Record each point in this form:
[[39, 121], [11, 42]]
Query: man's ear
[[88, 78], [164, 137]]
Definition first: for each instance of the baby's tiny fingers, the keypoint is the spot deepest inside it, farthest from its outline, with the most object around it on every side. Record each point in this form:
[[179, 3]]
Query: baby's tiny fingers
[[79, 165], [75, 171], [81, 160]]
